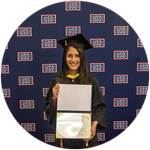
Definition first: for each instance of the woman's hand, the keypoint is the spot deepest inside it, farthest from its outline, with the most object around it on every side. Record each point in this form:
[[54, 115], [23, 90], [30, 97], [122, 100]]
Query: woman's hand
[[93, 130], [55, 91]]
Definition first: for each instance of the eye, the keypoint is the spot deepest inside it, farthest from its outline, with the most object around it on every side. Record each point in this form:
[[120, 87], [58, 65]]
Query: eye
[[69, 55], [77, 55]]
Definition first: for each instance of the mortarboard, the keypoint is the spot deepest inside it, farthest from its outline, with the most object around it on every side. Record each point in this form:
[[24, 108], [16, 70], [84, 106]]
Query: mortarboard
[[77, 41]]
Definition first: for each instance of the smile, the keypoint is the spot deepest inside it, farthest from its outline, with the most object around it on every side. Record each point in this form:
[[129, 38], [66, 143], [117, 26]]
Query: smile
[[74, 64]]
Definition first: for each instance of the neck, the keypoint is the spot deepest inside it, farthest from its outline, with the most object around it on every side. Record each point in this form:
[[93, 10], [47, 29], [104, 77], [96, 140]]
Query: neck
[[73, 72]]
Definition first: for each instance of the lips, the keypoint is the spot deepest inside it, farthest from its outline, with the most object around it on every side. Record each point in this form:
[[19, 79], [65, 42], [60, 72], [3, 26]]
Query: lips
[[73, 64]]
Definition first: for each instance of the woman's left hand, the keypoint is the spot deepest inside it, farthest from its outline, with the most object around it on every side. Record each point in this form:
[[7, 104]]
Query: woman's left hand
[[93, 131]]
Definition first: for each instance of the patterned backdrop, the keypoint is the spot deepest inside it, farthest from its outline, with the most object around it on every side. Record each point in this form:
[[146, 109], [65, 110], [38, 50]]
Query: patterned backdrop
[[33, 58]]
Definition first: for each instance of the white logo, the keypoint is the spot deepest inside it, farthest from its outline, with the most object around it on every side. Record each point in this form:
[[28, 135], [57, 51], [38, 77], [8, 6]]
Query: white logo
[[26, 104], [97, 18], [97, 67], [24, 31], [139, 43], [101, 136], [73, 30], [137, 111], [142, 66], [121, 30], [141, 90], [29, 127], [120, 125], [49, 68], [48, 43], [48, 19], [5, 69], [25, 80], [7, 46], [6, 93], [120, 54], [45, 91], [97, 42], [120, 102], [72, 6], [49, 137], [45, 116], [120, 79], [25, 56], [103, 90]]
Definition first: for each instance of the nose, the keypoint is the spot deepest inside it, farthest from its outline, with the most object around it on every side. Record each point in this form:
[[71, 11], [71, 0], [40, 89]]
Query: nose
[[73, 59]]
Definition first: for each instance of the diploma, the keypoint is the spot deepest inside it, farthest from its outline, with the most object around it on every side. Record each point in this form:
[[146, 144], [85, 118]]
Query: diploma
[[73, 125], [74, 97]]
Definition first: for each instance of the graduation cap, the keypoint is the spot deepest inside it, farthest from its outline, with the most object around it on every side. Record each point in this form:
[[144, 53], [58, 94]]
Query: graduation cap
[[77, 41]]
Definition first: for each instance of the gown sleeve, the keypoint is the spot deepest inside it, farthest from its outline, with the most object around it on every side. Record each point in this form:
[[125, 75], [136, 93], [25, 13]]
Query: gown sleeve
[[48, 107], [98, 105]]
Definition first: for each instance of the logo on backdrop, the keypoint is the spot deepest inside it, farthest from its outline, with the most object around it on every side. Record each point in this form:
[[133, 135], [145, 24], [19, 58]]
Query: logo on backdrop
[[48, 43], [25, 80], [139, 43], [72, 6], [120, 102], [142, 66], [6, 93], [103, 90], [45, 116], [97, 67], [121, 30], [118, 125], [49, 68], [5, 69], [45, 91], [24, 32], [137, 111], [29, 127], [120, 79], [49, 137], [97, 18], [121, 55], [48, 19], [141, 90], [6, 46], [97, 42], [72, 30], [101, 136], [26, 104], [25, 56]]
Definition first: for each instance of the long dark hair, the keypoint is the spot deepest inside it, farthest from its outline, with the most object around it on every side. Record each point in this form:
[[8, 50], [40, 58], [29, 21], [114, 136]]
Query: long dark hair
[[84, 77]]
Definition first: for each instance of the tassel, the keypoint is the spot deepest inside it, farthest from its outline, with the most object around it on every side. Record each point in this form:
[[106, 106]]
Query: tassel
[[65, 42], [86, 142], [61, 143]]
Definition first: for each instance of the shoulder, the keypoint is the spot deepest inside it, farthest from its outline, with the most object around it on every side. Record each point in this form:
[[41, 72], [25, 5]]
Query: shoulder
[[57, 79], [93, 79]]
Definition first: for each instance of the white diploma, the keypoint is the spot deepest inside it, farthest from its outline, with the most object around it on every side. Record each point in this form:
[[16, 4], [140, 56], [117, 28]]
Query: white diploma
[[74, 97], [73, 125]]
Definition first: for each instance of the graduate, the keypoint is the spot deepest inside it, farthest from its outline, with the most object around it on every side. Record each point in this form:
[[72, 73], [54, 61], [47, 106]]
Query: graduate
[[75, 71]]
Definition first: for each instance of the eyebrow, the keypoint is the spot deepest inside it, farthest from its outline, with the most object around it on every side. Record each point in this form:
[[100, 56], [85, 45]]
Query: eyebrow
[[71, 54]]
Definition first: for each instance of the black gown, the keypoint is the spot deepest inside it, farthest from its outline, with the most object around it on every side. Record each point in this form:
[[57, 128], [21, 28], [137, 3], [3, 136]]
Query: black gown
[[98, 113]]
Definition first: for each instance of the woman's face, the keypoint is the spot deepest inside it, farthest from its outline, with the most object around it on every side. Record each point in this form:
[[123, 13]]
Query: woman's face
[[73, 60]]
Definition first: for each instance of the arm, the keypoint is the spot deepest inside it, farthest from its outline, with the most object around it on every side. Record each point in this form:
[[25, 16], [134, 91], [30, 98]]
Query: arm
[[98, 105], [94, 123], [50, 103]]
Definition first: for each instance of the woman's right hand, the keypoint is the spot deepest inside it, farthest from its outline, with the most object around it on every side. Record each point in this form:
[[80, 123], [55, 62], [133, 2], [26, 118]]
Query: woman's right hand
[[55, 91]]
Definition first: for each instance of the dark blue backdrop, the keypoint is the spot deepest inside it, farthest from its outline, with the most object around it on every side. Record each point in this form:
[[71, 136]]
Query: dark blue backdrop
[[25, 77]]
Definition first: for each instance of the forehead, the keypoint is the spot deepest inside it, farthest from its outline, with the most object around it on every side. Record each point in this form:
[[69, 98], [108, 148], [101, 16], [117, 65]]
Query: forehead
[[72, 50]]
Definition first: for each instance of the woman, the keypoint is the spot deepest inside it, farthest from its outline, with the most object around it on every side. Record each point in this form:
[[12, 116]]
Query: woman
[[75, 71]]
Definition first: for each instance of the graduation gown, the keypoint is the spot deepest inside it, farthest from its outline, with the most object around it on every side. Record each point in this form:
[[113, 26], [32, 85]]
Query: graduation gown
[[98, 113]]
